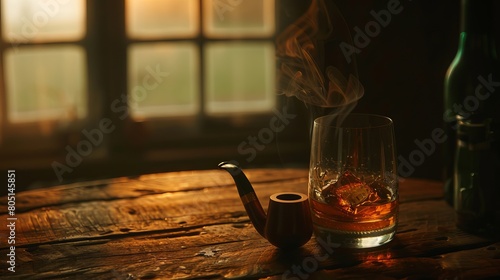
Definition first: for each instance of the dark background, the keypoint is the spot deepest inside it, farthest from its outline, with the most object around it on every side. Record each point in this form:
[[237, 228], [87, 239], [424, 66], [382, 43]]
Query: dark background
[[403, 68]]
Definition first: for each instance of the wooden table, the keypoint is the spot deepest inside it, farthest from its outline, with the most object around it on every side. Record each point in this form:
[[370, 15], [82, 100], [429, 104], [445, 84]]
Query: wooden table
[[192, 225]]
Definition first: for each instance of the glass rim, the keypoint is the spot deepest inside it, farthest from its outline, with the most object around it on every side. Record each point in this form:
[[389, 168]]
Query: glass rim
[[377, 121]]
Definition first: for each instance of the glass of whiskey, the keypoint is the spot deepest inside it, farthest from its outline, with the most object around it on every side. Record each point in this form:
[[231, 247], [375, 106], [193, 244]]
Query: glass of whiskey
[[353, 185]]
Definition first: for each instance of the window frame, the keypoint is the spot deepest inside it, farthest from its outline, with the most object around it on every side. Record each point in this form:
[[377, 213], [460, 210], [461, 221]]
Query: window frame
[[16, 138], [168, 145], [203, 121]]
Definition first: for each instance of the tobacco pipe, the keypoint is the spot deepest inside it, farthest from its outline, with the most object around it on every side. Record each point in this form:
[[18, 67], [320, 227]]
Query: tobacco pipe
[[287, 224]]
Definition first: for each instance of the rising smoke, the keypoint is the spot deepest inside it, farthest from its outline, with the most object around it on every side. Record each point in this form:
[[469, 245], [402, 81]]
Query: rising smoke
[[311, 64]]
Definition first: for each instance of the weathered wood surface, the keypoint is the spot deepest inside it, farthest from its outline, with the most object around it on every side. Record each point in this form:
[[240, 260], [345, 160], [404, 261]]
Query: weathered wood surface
[[192, 225]]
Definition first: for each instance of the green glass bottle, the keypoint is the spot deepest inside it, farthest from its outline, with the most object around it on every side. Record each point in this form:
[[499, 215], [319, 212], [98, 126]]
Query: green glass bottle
[[472, 83], [475, 175]]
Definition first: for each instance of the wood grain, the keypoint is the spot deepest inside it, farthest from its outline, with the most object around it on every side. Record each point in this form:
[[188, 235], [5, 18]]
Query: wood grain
[[192, 225]]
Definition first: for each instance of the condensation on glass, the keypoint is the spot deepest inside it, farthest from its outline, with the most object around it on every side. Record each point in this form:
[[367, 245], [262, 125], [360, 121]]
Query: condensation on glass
[[238, 76], [44, 82]]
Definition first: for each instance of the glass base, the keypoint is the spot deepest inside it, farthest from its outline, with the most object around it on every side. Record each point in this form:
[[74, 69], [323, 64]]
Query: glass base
[[355, 239]]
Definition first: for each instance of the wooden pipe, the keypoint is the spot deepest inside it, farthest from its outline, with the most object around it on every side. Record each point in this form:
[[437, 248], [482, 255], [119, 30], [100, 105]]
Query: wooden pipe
[[288, 222]]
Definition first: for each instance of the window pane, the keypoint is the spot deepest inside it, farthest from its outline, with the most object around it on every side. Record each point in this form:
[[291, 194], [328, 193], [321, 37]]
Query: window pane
[[238, 17], [46, 83], [240, 77], [163, 79], [39, 20], [162, 18]]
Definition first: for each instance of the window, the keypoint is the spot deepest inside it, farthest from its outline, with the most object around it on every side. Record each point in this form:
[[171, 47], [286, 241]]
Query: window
[[179, 79], [218, 55], [44, 62]]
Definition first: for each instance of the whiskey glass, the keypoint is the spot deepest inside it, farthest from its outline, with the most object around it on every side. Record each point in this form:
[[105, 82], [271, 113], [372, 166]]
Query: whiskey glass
[[353, 185]]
